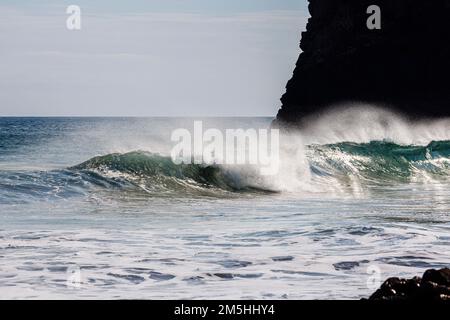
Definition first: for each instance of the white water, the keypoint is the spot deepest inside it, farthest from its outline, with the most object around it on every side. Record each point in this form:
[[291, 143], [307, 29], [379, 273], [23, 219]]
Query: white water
[[364, 123], [317, 238]]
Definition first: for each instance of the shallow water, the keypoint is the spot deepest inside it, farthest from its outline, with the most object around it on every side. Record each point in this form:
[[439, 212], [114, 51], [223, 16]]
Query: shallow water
[[339, 211]]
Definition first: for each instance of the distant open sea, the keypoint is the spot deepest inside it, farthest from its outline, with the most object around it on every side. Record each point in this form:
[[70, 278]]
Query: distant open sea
[[94, 208]]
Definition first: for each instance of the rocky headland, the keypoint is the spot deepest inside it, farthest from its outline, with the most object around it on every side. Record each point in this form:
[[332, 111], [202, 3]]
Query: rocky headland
[[398, 58]]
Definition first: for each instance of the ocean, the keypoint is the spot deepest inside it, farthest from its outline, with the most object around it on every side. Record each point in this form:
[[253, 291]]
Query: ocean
[[95, 208]]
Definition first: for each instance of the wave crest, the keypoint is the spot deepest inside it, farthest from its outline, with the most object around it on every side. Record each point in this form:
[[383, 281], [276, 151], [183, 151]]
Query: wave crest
[[158, 174], [340, 167], [381, 161]]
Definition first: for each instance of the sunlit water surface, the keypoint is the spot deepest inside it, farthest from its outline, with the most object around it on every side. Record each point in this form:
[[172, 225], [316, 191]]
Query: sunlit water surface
[[113, 228]]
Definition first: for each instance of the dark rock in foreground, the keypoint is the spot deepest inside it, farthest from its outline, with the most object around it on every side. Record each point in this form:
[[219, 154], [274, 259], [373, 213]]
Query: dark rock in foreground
[[403, 66], [434, 285]]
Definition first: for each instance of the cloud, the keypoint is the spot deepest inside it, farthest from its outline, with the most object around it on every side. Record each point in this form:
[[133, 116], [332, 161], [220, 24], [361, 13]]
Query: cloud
[[150, 64]]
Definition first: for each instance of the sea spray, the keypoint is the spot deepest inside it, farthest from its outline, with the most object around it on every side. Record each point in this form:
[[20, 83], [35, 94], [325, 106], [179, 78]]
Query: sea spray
[[232, 147], [346, 152], [365, 123]]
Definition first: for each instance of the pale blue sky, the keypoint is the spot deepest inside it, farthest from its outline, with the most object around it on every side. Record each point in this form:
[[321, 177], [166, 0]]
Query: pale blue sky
[[199, 6], [148, 58]]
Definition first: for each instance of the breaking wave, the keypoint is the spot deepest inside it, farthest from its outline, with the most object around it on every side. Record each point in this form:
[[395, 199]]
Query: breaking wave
[[342, 167], [344, 152], [155, 173]]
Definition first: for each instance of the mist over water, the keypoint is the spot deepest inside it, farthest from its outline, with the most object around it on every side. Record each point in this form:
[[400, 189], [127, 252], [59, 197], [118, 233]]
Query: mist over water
[[363, 124], [357, 187]]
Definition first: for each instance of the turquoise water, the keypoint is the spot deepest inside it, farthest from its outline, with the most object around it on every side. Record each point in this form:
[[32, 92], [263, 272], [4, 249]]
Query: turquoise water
[[101, 196]]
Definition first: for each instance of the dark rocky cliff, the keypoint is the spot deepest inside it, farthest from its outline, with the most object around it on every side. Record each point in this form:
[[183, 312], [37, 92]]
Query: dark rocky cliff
[[405, 65]]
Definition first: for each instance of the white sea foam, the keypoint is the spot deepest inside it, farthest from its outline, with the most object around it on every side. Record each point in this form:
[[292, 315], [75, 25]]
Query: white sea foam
[[345, 172], [312, 240]]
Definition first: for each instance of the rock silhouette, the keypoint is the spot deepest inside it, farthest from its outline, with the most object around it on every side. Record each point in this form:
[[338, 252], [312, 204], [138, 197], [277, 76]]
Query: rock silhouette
[[434, 285], [404, 66]]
